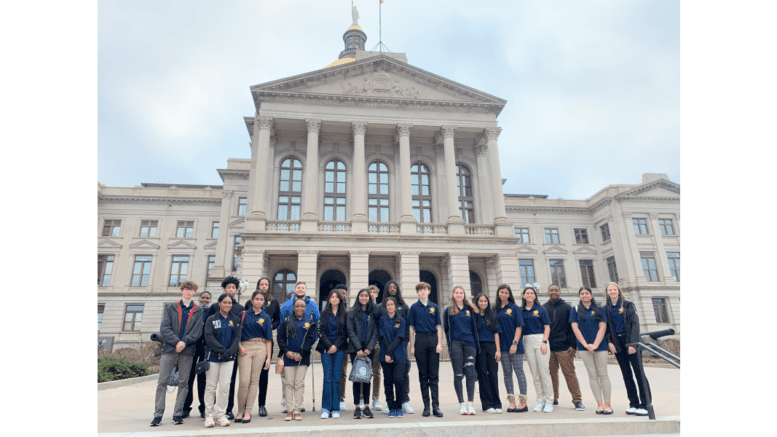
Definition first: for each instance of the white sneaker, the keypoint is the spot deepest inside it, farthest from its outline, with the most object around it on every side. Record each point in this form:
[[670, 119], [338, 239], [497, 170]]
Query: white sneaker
[[470, 409], [641, 412], [538, 408], [283, 410], [222, 421], [209, 423], [491, 411], [463, 409], [498, 411], [335, 414], [342, 406], [407, 409], [548, 408], [376, 405], [631, 410]]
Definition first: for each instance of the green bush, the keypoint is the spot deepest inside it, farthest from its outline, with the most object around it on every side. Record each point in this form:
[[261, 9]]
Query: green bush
[[113, 369]]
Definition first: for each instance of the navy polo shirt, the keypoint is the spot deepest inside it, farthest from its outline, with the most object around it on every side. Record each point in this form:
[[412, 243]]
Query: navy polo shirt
[[388, 330], [256, 326], [227, 326], [184, 317], [460, 326], [616, 315], [534, 319], [424, 318], [295, 344], [510, 318], [331, 328], [485, 333], [589, 328]]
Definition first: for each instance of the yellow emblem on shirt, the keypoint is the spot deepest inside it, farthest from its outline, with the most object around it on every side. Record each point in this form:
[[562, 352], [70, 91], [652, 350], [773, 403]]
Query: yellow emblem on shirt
[[307, 325], [620, 310], [536, 312], [231, 324], [592, 313], [431, 310], [467, 312], [260, 321], [509, 311]]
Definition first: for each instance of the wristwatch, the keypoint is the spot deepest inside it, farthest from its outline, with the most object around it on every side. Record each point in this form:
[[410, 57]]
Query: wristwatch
[[515, 342], [545, 341]]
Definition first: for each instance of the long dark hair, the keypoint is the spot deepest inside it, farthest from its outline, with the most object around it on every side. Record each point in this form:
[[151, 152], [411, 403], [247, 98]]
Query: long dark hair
[[491, 320], [357, 307], [268, 294], [594, 307], [340, 307], [398, 296], [291, 332], [523, 300], [393, 299], [498, 303]]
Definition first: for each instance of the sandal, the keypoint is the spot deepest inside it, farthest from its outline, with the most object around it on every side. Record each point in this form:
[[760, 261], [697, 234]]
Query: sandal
[[607, 412], [297, 416], [288, 417], [246, 420], [599, 411]]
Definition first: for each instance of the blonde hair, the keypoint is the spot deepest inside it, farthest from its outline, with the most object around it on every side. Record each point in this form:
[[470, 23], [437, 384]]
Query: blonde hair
[[454, 306], [621, 297]]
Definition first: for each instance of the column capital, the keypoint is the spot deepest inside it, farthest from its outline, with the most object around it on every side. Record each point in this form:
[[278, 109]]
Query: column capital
[[627, 215], [677, 215], [492, 133], [264, 122], [447, 131], [481, 150], [654, 216], [609, 218], [359, 127], [395, 146], [314, 125], [226, 193], [440, 148], [403, 129]]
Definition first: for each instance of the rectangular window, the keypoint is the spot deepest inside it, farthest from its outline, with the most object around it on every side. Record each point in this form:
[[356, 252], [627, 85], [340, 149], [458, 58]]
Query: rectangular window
[[100, 311], [141, 271], [640, 226], [185, 229], [674, 265], [104, 270], [666, 226], [111, 228], [178, 270], [211, 262], [587, 273], [527, 271], [234, 257], [649, 266], [659, 307], [148, 228], [242, 204], [557, 275], [133, 316], [612, 269], [214, 230], [551, 236], [334, 209], [522, 234], [581, 236], [605, 228]]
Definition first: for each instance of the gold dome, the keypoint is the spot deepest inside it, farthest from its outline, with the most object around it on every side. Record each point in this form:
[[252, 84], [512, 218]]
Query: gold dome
[[355, 27], [340, 61]]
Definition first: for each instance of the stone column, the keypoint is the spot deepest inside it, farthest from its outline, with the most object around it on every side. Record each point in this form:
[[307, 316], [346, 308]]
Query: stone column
[[359, 218], [454, 220], [307, 270], [256, 218], [484, 182], [625, 227], [507, 272], [223, 242], [458, 274], [252, 264], [440, 192], [661, 259], [409, 274], [504, 227], [309, 222], [407, 224], [360, 273]]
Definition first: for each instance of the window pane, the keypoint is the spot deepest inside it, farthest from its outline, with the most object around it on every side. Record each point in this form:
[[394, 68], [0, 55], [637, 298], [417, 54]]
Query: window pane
[[295, 212], [296, 187]]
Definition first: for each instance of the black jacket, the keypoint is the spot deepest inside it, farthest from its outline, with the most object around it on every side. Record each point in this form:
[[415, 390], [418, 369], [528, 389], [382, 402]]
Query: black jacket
[[630, 322], [171, 326], [561, 335], [213, 338], [236, 308], [307, 342], [355, 331], [341, 342]]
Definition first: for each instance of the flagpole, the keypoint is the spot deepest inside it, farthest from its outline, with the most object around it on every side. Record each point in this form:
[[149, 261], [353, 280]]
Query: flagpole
[[380, 24]]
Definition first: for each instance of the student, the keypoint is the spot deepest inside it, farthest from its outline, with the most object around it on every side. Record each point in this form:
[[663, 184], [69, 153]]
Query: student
[[204, 301], [393, 356], [222, 335], [180, 329], [342, 289], [332, 344], [562, 347], [392, 289], [424, 317], [536, 330], [511, 323], [623, 329], [273, 310], [362, 337], [296, 335], [487, 363], [376, 363], [254, 354], [459, 326], [311, 313], [589, 322]]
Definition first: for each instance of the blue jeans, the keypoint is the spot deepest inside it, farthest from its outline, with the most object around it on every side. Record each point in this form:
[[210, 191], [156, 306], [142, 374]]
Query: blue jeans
[[332, 363]]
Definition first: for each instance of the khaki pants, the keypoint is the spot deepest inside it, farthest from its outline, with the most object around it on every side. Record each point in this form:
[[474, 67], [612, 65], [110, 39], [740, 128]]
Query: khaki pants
[[375, 355], [565, 360], [596, 365], [539, 365], [295, 387], [218, 374], [250, 367]]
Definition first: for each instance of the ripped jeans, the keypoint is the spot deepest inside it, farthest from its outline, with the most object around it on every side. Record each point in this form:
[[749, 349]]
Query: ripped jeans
[[463, 361]]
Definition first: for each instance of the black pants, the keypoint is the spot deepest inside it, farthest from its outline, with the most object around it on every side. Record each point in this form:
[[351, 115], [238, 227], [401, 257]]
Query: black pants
[[488, 378], [627, 362], [363, 387], [187, 404], [463, 362], [406, 380], [394, 383], [231, 402], [263, 378], [428, 361]]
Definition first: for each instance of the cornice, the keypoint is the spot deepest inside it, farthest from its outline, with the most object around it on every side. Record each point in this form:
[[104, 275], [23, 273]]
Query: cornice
[[549, 209], [159, 199], [661, 183], [646, 199], [240, 174], [358, 101]]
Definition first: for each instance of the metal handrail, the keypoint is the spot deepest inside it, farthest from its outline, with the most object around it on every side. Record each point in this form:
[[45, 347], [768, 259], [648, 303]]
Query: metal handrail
[[659, 352]]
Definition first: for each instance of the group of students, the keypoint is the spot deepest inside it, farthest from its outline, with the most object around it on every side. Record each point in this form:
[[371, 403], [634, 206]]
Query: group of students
[[478, 335]]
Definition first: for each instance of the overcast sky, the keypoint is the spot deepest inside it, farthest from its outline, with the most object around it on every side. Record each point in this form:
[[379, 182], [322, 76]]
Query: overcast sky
[[592, 87]]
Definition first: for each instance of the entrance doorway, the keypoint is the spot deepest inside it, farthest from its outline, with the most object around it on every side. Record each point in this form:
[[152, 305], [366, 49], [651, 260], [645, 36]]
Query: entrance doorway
[[329, 280], [379, 278], [428, 277]]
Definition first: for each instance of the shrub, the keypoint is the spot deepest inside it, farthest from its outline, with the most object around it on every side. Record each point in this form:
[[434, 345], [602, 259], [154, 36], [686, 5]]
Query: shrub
[[114, 369]]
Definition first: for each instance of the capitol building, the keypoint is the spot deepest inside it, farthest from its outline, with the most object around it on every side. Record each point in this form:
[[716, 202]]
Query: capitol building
[[370, 170]]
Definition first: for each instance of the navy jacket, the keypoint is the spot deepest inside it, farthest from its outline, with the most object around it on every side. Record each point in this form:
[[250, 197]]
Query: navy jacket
[[213, 338], [341, 342], [307, 343]]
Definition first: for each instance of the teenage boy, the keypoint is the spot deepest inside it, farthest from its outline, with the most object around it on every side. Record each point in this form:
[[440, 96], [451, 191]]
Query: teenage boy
[[311, 314], [230, 286], [424, 319], [563, 346], [181, 328], [199, 355]]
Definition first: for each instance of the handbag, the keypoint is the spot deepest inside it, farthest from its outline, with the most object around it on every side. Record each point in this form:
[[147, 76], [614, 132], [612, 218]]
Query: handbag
[[361, 370], [203, 365]]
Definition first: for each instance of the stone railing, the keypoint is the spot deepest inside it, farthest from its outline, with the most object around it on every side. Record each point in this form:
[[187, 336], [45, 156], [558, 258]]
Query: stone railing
[[334, 226], [432, 228], [479, 229], [383, 228], [282, 226]]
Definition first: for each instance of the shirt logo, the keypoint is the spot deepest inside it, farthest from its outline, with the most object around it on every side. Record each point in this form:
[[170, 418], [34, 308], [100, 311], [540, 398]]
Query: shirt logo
[[260, 321], [509, 311], [431, 310], [536, 313], [307, 325], [592, 313], [467, 312], [231, 324], [620, 310]]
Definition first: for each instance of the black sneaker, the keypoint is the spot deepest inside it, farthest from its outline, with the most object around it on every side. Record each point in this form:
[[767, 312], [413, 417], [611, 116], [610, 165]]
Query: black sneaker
[[437, 412], [230, 416], [186, 413], [426, 412], [156, 421], [367, 413], [302, 410], [262, 411], [357, 413], [178, 420], [555, 403], [202, 414], [579, 406]]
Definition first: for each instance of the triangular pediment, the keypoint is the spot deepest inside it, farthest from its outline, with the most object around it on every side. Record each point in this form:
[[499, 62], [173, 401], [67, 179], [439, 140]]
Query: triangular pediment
[[108, 244], [181, 244], [555, 250], [527, 249], [144, 244], [585, 250], [660, 188]]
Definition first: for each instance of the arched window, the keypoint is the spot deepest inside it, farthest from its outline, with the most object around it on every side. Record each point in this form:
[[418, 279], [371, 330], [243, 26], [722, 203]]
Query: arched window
[[290, 192], [283, 284], [334, 191], [466, 200], [422, 194], [475, 283], [378, 192]]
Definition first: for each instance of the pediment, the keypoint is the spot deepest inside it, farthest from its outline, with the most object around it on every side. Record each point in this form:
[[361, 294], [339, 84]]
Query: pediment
[[660, 188], [526, 249], [237, 222], [144, 244], [211, 245], [181, 244], [108, 244], [555, 250], [585, 250]]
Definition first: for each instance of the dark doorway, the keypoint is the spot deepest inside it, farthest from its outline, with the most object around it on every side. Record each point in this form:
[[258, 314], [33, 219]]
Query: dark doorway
[[329, 280], [379, 278], [284, 283], [428, 277]]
